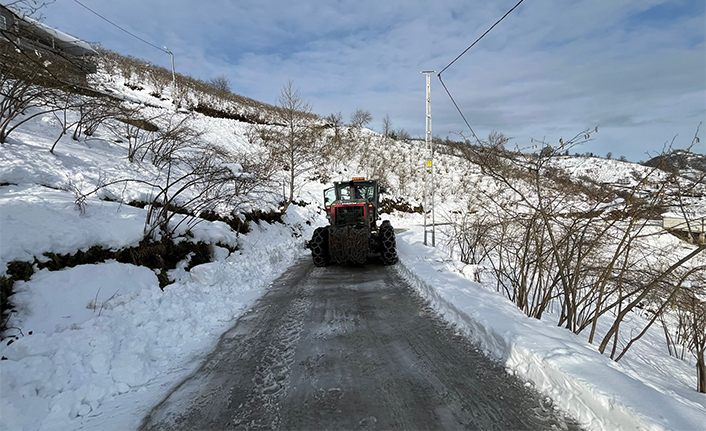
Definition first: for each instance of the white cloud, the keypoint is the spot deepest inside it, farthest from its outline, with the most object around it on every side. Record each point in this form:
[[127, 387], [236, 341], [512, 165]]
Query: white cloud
[[550, 69]]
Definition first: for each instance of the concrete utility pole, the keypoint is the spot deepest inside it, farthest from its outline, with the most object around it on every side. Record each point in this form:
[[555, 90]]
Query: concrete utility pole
[[429, 167], [174, 87]]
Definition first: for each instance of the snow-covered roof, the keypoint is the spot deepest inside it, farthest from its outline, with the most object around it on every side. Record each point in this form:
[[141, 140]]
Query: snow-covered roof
[[63, 41]]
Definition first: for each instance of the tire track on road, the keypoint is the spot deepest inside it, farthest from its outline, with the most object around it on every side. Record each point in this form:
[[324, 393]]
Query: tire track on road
[[350, 347]]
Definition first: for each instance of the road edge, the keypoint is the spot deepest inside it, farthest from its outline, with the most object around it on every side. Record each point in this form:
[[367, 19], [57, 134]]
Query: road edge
[[591, 406]]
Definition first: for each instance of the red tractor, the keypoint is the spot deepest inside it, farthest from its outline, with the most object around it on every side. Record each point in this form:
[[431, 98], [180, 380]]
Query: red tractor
[[353, 233]]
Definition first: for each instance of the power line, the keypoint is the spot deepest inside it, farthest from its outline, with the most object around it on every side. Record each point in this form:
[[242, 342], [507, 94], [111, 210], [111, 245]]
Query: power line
[[458, 109], [461, 55], [477, 40], [126, 31]]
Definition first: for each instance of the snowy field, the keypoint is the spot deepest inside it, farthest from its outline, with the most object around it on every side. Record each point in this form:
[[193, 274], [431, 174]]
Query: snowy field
[[106, 342], [100, 344]]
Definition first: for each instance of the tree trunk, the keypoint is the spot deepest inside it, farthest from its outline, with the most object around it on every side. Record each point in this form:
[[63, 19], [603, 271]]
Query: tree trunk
[[700, 372], [668, 338], [291, 184]]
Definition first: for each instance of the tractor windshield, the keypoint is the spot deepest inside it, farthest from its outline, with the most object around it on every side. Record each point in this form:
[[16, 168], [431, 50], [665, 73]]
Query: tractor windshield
[[346, 193], [364, 191], [352, 191]]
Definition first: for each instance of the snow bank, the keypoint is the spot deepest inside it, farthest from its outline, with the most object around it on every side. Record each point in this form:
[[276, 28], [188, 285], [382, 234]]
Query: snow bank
[[105, 335], [56, 301], [38, 219], [596, 391]]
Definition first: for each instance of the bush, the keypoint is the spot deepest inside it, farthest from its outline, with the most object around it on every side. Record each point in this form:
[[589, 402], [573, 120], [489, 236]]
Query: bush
[[243, 226], [387, 206], [235, 223], [15, 271], [270, 216], [160, 256]]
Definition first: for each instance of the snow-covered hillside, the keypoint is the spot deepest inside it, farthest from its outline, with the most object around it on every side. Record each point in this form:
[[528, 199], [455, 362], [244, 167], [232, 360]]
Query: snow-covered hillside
[[95, 346]]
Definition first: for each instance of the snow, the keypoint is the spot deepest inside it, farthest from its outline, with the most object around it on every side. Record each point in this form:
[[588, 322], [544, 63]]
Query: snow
[[57, 226], [94, 336], [107, 343], [106, 332], [92, 289], [601, 394]]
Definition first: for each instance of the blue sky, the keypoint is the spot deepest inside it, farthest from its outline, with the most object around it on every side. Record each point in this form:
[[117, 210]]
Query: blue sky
[[637, 69]]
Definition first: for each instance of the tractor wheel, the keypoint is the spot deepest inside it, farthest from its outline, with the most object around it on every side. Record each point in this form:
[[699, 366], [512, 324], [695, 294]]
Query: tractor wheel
[[388, 246], [359, 245], [319, 246]]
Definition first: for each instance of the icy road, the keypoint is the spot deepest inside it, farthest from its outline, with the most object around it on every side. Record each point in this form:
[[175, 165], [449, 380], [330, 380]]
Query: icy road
[[349, 348]]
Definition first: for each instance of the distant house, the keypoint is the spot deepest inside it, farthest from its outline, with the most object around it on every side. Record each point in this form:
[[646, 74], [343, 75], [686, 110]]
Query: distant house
[[676, 222], [25, 32]]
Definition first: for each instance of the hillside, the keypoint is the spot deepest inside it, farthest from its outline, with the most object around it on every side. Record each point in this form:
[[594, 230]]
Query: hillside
[[679, 160], [137, 225]]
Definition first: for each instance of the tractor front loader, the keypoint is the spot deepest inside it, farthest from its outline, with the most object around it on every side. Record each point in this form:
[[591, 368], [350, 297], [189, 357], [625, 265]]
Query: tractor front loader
[[353, 234]]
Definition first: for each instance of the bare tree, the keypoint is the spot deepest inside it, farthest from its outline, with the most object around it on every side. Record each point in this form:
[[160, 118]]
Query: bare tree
[[133, 128], [386, 126], [192, 178], [557, 242], [295, 144], [169, 142], [29, 7], [335, 121], [693, 303], [361, 118], [18, 97], [22, 96], [92, 113], [401, 135], [32, 83], [64, 103], [220, 83], [158, 79]]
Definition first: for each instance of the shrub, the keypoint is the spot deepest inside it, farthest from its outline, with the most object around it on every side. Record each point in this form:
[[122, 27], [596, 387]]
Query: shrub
[[15, 271]]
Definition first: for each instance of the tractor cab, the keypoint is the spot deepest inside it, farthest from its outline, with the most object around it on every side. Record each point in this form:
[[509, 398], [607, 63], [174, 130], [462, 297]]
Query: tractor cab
[[353, 203], [353, 234]]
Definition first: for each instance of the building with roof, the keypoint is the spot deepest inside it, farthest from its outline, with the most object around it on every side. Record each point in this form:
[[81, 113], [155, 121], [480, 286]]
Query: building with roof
[[695, 229], [29, 34]]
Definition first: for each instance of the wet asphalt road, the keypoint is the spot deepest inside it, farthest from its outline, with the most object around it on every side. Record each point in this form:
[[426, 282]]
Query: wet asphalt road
[[349, 348]]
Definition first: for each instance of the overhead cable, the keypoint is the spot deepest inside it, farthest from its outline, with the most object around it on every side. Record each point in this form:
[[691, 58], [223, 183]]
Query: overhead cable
[[481, 36], [126, 31], [458, 109], [461, 55]]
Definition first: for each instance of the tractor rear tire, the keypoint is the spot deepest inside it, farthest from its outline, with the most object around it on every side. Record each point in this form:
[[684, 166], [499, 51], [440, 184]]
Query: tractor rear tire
[[388, 246], [359, 243], [319, 246]]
